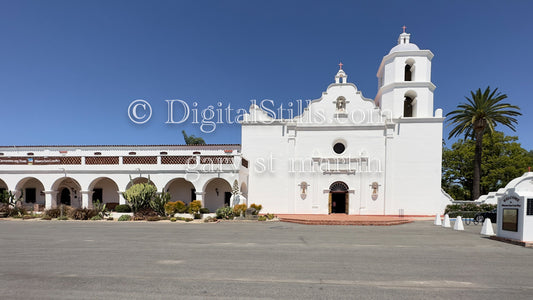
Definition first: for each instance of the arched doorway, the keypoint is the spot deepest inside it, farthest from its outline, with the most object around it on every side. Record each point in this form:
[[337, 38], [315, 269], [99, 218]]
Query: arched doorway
[[32, 190], [338, 198], [217, 194], [65, 196], [68, 191], [3, 186], [181, 190], [105, 190]]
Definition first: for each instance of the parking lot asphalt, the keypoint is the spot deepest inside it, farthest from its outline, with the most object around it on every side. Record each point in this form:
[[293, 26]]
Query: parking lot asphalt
[[259, 260]]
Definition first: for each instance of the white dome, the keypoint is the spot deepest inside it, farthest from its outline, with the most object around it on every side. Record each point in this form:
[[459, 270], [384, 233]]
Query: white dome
[[404, 44], [404, 47]]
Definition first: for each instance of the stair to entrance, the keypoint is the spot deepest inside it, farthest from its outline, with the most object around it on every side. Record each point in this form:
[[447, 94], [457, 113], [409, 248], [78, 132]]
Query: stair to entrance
[[343, 219]]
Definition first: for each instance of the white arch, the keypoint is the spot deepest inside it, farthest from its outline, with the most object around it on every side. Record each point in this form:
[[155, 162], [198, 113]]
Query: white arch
[[109, 189], [3, 185], [180, 189], [30, 183], [137, 180], [215, 193], [74, 190]]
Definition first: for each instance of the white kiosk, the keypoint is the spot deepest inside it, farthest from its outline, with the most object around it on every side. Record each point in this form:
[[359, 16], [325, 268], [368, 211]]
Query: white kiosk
[[515, 210]]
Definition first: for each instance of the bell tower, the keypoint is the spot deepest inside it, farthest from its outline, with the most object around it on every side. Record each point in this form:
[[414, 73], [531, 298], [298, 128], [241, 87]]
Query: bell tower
[[405, 89]]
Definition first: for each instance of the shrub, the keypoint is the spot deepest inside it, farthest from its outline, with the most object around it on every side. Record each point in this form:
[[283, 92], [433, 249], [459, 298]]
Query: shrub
[[204, 210], [158, 203], [170, 208], [152, 218], [15, 212], [239, 210], [63, 218], [210, 219], [100, 208], [262, 218], [96, 218], [82, 213], [52, 213], [181, 207], [172, 219], [125, 218], [123, 208], [139, 195], [195, 206], [187, 219], [48, 218], [257, 207], [225, 213], [110, 219], [468, 207], [26, 217], [270, 216], [144, 213]]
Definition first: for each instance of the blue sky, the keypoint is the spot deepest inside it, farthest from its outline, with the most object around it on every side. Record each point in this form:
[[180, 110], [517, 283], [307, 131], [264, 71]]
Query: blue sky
[[69, 69]]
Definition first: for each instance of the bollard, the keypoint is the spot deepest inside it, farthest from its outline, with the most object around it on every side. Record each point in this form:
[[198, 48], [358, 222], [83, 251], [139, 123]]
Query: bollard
[[487, 227], [458, 224], [438, 221], [446, 223]]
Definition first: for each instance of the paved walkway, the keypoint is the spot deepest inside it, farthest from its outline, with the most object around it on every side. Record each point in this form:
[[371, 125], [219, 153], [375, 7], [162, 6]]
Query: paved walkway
[[343, 219]]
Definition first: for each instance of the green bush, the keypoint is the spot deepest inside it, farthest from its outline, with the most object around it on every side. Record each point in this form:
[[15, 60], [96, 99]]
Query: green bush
[[187, 219], [257, 207], [468, 207], [100, 208], [172, 219], [96, 218], [261, 218], [270, 216], [181, 207], [225, 213], [140, 195], [123, 208], [124, 218], [158, 203], [204, 210]]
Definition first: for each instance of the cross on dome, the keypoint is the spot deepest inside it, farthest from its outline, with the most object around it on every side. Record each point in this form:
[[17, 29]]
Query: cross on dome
[[404, 28], [340, 65]]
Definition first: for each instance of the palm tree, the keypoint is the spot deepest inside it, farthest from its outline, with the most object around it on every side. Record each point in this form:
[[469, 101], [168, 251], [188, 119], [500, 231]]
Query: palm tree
[[481, 112]]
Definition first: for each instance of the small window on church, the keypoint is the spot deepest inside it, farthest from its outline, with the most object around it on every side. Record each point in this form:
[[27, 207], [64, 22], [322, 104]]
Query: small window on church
[[408, 73], [409, 69], [408, 107], [339, 148]]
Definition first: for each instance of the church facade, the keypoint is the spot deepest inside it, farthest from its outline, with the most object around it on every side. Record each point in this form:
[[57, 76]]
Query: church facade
[[344, 154], [349, 154]]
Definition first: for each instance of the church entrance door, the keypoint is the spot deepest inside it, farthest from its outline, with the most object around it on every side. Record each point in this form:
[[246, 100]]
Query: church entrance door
[[338, 198]]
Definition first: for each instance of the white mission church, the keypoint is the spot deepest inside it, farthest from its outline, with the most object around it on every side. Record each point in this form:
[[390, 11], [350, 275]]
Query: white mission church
[[344, 154]]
